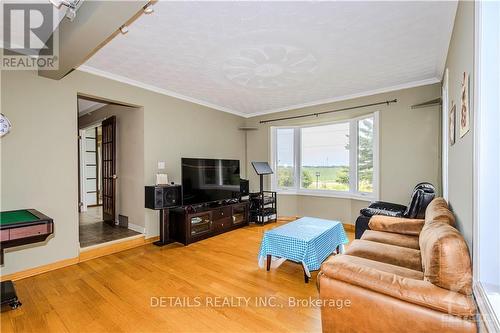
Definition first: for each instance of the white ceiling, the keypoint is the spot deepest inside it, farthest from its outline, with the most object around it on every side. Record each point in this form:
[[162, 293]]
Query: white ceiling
[[86, 106], [252, 58]]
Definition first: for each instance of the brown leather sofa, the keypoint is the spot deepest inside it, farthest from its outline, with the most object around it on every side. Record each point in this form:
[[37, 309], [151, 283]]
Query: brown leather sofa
[[403, 275]]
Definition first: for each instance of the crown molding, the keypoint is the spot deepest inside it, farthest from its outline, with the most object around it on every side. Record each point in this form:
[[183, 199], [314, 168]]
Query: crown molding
[[119, 78], [98, 72], [408, 85]]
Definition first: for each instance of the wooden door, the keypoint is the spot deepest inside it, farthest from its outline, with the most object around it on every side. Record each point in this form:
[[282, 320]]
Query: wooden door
[[109, 170]]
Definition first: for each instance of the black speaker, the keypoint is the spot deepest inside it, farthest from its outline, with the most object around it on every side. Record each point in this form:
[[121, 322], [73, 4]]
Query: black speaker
[[163, 196], [244, 187]]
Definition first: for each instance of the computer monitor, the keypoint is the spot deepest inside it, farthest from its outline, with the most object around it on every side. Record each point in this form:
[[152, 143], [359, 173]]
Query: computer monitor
[[262, 168]]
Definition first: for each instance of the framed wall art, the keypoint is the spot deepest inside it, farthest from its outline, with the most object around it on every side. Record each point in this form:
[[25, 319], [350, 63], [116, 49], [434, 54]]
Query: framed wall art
[[465, 107], [451, 122]]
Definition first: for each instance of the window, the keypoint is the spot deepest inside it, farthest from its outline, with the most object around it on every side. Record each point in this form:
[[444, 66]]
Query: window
[[328, 159], [325, 157], [365, 155], [487, 164], [285, 157]]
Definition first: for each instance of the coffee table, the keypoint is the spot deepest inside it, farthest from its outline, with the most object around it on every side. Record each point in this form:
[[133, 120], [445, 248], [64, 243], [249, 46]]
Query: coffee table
[[308, 241]]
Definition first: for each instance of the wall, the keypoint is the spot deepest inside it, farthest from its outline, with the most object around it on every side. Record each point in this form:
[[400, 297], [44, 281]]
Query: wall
[[39, 157], [129, 158], [409, 150], [460, 156]]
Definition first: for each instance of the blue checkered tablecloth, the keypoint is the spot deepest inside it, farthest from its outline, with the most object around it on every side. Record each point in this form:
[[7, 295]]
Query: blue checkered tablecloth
[[307, 240]]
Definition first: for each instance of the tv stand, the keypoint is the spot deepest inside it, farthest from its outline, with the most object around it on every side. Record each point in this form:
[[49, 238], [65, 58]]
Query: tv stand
[[193, 223]]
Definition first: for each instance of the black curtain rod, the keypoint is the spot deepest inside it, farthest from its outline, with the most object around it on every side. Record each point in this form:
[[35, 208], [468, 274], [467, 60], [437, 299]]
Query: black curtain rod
[[316, 114]]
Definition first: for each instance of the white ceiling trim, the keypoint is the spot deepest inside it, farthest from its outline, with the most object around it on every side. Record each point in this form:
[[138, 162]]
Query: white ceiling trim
[[408, 85], [119, 78]]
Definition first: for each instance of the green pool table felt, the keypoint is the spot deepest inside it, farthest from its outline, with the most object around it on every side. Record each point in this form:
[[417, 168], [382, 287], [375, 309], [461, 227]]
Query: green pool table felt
[[17, 216]]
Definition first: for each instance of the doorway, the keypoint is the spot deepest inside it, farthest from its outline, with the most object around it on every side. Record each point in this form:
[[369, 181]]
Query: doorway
[[108, 188]]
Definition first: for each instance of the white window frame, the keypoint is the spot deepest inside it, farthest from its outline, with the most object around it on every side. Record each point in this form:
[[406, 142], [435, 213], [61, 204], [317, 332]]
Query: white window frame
[[353, 192], [487, 314]]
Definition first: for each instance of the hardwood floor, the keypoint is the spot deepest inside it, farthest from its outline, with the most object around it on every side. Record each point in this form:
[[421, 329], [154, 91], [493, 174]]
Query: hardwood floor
[[114, 293]]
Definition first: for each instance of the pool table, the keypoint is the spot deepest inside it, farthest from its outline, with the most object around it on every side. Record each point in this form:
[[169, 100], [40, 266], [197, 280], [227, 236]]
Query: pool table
[[21, 227]]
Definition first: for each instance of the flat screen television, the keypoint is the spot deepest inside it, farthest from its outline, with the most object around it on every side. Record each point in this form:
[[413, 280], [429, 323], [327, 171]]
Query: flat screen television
[[207, 180]]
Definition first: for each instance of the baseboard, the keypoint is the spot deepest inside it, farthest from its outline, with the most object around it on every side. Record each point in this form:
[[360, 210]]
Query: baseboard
[[40, 269], [114, 247], [91, 253], [287, 218], [137, 228], [125, 240]]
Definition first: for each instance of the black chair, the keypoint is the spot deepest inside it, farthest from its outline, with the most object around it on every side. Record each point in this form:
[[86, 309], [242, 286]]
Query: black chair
[[422, 195]]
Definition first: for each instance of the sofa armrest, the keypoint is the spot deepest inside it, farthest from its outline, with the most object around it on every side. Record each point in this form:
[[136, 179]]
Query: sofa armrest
[[414, 291], [397, 225], [387, 206], [383, 208]]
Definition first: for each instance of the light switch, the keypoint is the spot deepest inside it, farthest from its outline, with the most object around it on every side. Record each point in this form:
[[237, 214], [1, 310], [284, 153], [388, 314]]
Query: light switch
[[161, 165]]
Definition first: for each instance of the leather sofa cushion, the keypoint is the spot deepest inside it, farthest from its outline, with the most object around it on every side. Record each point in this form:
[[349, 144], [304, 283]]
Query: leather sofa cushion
[[418, 292], [438, 211], [445, 258], [372, 311], [389, 254], [391, 239], [388, 268], [398, 225]]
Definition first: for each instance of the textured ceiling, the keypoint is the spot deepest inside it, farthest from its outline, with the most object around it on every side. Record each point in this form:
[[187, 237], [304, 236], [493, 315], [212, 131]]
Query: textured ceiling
[[252, 58]]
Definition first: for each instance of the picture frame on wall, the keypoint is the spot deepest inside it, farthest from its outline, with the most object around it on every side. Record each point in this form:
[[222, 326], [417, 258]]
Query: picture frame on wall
[[451, 127], [465, 107]]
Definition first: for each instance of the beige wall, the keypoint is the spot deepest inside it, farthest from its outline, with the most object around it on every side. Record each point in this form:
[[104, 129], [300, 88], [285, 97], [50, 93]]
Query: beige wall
[[39, 163], [129, 158], [460, 155], [409, 150], [39, 157]]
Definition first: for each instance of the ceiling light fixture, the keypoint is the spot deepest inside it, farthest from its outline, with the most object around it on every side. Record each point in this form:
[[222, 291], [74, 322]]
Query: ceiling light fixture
[[57, 3], [148, 9], [72, 7], [124, 29]]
